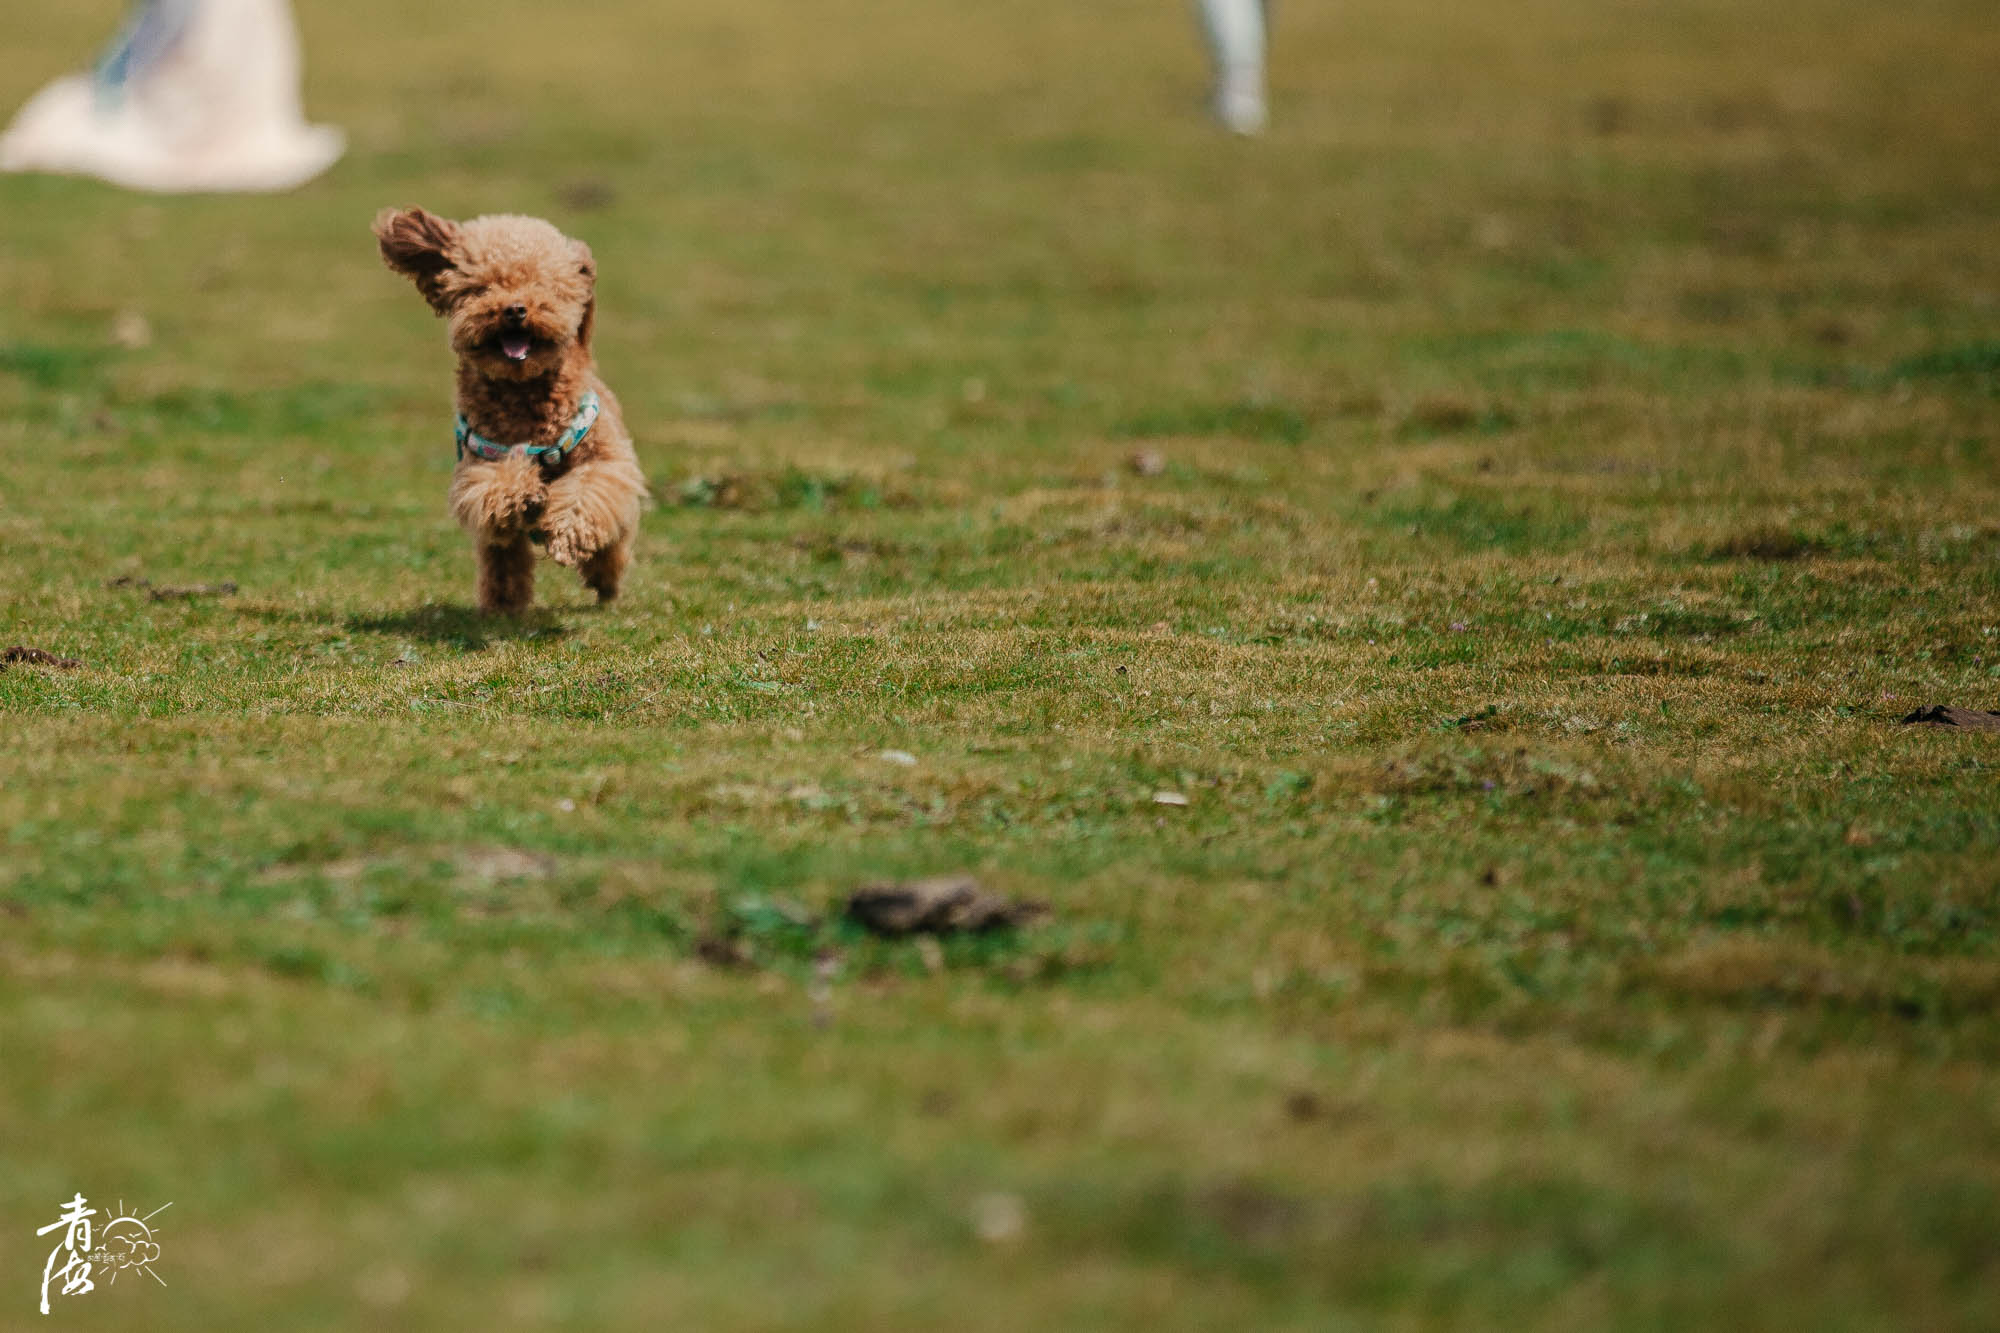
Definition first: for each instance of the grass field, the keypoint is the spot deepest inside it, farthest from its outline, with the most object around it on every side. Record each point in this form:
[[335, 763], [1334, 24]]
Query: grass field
[[1513, 504]]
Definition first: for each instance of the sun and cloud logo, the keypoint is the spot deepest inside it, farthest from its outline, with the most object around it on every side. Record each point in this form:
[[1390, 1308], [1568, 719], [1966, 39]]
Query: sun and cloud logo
[[127, 1243]]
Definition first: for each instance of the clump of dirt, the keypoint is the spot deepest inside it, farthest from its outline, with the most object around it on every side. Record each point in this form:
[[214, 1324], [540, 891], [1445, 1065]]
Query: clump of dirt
[[226, 588], [1942, 715], [172, 593], [36, 657], [945, 905], [758, 930]]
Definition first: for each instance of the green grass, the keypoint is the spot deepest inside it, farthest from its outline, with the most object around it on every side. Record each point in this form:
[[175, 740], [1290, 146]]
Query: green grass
[[1569, 447]]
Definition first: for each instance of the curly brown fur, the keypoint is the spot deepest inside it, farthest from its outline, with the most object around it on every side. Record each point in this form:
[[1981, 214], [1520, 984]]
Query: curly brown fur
[[521, 299]]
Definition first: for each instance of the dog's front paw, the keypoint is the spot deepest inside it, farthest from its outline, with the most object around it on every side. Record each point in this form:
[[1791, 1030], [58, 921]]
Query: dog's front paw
[[565, 549]]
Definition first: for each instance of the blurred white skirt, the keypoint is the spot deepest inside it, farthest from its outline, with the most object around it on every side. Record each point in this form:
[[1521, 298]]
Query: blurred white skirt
[[196, 95]]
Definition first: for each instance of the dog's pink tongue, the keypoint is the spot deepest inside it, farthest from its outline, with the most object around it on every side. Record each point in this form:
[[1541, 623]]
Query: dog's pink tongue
[[515, 345]]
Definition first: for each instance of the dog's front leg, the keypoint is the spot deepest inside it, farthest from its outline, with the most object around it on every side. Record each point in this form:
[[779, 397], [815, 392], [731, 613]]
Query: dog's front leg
[[584, 516], [506, 573], [604, 570]]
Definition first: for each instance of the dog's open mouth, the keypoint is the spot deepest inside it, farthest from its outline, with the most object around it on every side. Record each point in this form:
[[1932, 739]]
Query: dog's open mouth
[[516, 346]]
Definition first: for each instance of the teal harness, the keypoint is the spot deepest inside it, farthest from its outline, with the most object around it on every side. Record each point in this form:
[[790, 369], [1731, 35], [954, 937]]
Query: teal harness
[[472, 442]]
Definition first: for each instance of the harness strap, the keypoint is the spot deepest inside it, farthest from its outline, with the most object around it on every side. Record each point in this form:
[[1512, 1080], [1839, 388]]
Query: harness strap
[[472, 442]]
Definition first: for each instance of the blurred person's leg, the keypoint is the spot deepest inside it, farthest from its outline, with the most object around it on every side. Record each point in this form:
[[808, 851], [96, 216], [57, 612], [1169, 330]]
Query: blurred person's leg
[[1236, 37]]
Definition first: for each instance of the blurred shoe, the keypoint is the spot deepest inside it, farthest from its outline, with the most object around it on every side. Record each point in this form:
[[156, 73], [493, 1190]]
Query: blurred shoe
[[195, 95], [1239, 101]]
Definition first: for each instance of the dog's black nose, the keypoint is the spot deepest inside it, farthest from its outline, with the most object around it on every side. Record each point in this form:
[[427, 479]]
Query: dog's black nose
[[517, 314]]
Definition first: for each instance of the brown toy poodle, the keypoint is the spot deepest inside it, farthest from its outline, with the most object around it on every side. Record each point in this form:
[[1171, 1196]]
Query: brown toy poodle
[[543, 454]]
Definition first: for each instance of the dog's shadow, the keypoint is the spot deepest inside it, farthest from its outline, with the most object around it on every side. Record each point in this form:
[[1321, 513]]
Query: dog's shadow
[[463, 627]]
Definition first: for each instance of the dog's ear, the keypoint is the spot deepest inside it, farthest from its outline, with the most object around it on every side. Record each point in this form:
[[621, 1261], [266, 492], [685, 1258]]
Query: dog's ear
[[419, 245], [586, 264]]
